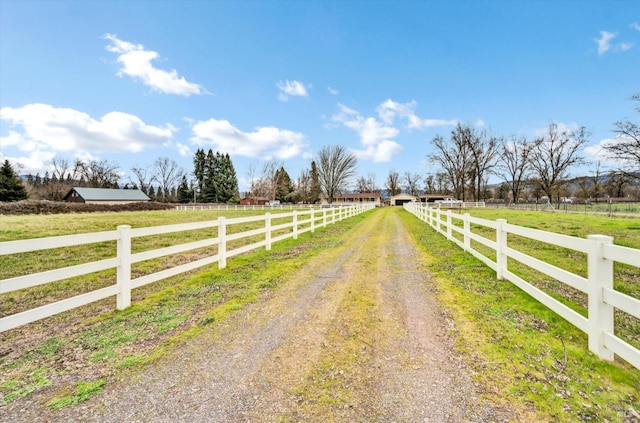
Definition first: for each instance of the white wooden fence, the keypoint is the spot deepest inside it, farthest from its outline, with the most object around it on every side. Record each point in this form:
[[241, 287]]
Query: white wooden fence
[[300, 222], [598, 285]]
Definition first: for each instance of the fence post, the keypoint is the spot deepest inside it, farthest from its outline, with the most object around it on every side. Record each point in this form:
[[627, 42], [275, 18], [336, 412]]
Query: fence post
[[467, 232], [222, 243], [501, 243], [295, 224], [123, 272], [449, 225], [324, 218], [599, 276], [313, 219], [267, 231]]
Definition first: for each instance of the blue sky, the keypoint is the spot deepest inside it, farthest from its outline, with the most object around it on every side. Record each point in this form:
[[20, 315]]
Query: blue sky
[[130, 82]]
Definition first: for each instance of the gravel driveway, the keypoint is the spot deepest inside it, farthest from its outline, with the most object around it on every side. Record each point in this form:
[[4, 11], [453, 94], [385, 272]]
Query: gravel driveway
[[355, 336]]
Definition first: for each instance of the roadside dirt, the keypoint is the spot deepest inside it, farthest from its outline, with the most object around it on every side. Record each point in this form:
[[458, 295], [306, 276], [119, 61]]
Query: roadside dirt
[[355, 335]]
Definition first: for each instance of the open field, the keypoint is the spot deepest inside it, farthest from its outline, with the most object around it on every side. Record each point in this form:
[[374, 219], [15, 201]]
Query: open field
[[601, 208], [526, 359]]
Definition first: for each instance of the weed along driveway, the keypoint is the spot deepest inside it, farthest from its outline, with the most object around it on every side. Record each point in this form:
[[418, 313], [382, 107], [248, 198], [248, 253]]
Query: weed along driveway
[[354, 334]]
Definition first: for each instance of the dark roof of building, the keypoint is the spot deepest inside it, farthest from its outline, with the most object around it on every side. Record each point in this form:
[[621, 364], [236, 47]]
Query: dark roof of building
[[109, 194]]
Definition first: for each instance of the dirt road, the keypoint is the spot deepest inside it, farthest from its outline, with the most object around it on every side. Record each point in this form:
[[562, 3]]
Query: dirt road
[[355, 335]]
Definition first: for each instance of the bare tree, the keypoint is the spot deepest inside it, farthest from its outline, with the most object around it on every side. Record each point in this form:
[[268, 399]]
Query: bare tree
[[484, 152], [514, 164], [430, 184], [626, 146], [268, 179], [553, 154], [455, 157], [335, 167], [596, 183], [412, 183], [365, 184], [168, 174], [393, 183], [143, 176], [98, 174]]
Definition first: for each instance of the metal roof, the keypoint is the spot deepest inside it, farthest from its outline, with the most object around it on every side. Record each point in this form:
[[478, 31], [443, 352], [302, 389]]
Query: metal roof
[[110, 194]]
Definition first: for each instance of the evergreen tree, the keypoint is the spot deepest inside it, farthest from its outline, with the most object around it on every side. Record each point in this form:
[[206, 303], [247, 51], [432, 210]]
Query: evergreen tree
[[315, 190], [11, 186], [185, 194], [199, 160], [152, 193], [226, 180], [284, 187], [211, 169]]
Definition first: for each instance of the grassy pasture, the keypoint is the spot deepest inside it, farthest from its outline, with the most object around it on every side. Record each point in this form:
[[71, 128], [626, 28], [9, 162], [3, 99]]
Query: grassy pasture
[[624, 230], [525, 355], [37, 226], [75, 352]]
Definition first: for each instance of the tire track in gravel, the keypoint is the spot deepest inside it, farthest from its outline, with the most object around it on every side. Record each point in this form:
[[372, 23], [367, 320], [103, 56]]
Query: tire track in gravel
[[354, 335]]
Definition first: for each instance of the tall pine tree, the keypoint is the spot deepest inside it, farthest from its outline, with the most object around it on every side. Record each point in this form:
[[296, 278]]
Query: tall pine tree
[[199, 160], [315, 190], [11, 186]]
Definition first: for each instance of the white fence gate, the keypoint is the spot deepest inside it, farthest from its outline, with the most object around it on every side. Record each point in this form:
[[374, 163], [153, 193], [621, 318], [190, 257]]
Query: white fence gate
[[598, 285]]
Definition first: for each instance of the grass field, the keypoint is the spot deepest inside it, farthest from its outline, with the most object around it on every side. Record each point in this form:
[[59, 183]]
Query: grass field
[[523, 354]]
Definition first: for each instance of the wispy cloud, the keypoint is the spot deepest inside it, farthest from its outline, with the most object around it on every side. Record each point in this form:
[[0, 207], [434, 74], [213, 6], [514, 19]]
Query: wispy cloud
[[333, 91], [635, 26], [291, 89], [41, 131], [390, 109], [264, 142], [136, 63], [604, 42]]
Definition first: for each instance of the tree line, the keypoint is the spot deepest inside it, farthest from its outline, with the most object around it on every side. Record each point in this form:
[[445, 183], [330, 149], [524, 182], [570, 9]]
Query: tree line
[[463, 163]]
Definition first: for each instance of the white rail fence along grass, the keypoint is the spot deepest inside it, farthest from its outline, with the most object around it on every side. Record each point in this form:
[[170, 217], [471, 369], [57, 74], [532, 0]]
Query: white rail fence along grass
[[265, 230], [600, 253]]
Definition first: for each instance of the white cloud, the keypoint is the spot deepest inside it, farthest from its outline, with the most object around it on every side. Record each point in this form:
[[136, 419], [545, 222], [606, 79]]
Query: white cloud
[[183, 150], [390, 109], [266, 142], [380, 153], [604, 42], [333, 91], [635, 26], [374, 135], [624, 46], [597, 153], [480, 123], [136, 63], [46, 128], [291, 89]]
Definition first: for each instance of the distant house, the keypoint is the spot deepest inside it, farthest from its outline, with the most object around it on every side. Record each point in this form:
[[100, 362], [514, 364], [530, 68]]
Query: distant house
[[254, 201], [104, 196], [400, 199], [358, 198]]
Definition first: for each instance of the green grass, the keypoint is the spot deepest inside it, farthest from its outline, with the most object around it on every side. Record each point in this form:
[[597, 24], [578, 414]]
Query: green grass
[[526, 357], [96, 339], [82, 391]]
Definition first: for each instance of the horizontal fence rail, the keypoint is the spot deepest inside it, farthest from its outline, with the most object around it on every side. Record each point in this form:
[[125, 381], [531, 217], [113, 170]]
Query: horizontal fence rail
[[296, 222], [600, 253]]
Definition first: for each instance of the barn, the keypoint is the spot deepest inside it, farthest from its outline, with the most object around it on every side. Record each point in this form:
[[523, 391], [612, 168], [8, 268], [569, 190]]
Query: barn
[[400, 199], [254, 201], [104, 196]]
